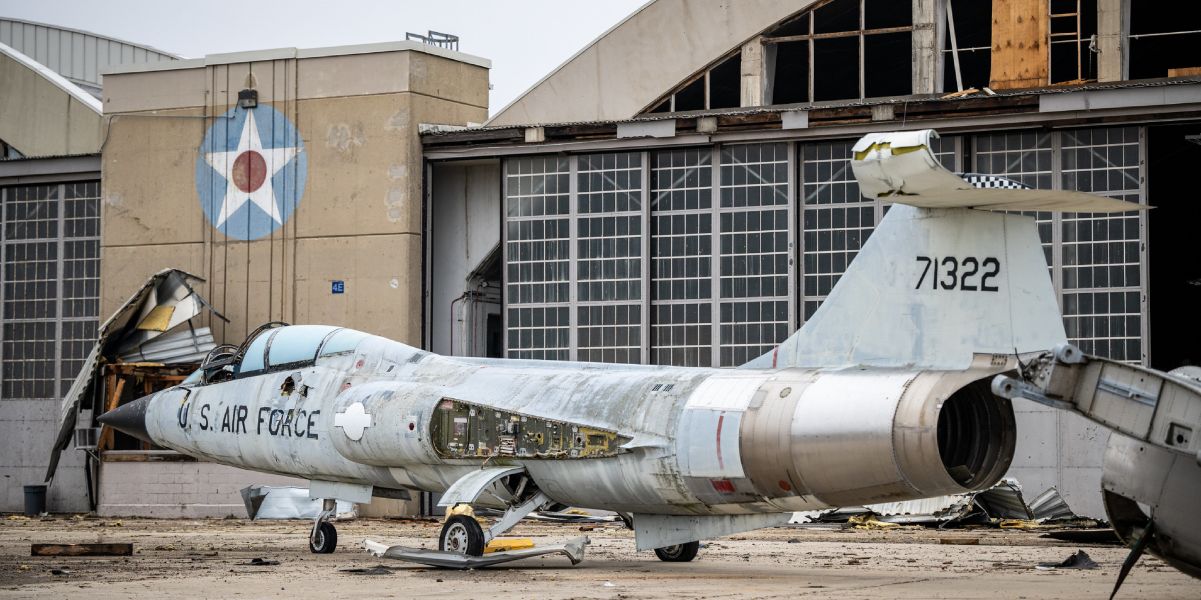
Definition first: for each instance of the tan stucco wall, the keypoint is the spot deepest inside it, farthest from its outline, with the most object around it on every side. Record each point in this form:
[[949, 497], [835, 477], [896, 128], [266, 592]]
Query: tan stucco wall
[[359, 220], [39, 118], [641, 58]]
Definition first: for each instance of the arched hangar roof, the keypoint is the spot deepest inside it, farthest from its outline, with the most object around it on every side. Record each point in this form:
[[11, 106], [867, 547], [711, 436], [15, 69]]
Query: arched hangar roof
[[640, 58], [77, 55]]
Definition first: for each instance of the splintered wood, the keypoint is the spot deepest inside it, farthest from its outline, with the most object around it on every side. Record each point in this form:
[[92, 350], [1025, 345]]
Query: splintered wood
[[81, 549], [1019, 44]]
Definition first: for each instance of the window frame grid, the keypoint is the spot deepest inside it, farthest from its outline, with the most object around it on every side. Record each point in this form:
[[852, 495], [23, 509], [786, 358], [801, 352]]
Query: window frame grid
[[702, 213], [1141, 289], [57, 380], [506, 176], [576, 304], [790, 226]]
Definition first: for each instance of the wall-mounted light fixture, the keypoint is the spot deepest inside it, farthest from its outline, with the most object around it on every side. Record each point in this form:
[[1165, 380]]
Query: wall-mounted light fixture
[[248, 98]]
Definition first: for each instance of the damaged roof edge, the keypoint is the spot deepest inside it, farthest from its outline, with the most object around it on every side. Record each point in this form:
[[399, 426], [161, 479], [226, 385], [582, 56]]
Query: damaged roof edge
[[1064, 98]]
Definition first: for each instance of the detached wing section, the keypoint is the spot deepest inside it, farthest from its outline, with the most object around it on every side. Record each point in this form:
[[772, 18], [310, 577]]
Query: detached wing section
[[901, 167]]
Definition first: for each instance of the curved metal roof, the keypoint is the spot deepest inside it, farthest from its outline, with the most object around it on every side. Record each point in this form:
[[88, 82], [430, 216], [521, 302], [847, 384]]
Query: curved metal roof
[[78, 56]]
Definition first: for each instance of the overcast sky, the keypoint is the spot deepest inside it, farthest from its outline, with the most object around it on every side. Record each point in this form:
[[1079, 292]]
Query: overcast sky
[[525, 39]]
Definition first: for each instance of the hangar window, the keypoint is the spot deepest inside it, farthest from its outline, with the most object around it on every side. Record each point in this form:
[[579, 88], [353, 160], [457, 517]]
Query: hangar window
[[1102, 273], [841, 50], [754, 235], [716, 86], [1163, 40], [1072, 28], [967, 45], [609, 257], [682, 257], [538, 257], [50, 286]]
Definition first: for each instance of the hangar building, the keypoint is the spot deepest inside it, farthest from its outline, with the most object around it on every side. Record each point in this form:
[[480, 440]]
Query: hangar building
[[679, 192]]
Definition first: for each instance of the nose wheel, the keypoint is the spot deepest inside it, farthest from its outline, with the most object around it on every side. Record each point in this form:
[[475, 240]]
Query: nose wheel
[[678, 552], [324, 538], [462, 534]]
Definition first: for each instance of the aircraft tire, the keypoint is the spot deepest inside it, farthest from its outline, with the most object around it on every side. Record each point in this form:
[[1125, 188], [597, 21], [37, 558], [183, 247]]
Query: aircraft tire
[[327, 539], [679, 552], [462, 534]]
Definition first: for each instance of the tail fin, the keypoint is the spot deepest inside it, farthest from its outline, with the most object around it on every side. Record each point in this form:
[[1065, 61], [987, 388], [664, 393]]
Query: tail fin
[[937, 281]]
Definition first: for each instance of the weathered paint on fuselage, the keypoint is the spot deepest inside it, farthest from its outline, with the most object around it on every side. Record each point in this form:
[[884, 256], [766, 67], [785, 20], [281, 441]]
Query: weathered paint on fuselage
[[702, 441]]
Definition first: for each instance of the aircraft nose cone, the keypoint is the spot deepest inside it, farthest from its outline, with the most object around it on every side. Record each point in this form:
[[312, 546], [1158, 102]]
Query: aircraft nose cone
[[130, 418]]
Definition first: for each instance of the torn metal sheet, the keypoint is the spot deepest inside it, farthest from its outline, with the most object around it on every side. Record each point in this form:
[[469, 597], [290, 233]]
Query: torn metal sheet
[[184, 345], [169, 287], [1004, 501], [287, 502], [1050, 505], [573, 550]]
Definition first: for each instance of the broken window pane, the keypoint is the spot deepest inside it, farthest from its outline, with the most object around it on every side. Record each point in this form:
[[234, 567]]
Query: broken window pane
[[725, 83], [835, 68], [890, 61], [691, 96], [837, 16], [790, 82], [1163, 39]]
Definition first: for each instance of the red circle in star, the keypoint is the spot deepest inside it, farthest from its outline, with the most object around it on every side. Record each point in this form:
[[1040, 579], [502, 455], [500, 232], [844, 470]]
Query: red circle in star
[[250, 171]]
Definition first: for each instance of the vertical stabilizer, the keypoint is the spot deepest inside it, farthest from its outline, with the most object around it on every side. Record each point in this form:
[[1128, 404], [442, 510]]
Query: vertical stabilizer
[[930, 288]]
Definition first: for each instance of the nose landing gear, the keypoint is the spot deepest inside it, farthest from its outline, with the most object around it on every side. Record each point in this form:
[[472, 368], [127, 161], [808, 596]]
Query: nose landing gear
[[324, 538], [679, 552]]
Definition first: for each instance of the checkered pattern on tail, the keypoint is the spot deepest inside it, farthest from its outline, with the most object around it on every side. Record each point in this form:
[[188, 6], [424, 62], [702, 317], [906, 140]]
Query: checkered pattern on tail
[[993, 182]]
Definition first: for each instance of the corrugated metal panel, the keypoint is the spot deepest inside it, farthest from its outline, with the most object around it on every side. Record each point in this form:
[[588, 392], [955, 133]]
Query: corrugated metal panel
[[78, 56]]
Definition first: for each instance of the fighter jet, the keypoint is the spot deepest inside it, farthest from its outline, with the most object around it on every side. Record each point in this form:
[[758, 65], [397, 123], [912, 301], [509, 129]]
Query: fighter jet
[[885, 394]]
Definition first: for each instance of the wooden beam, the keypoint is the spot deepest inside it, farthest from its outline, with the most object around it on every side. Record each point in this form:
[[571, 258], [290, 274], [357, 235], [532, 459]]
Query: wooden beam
[[81, 549]]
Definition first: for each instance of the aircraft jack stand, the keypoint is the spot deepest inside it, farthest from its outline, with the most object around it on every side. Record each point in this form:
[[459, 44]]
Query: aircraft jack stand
[[324, 538]]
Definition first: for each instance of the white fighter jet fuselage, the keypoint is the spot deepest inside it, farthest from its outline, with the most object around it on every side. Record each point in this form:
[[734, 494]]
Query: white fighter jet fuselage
[[662, 440]]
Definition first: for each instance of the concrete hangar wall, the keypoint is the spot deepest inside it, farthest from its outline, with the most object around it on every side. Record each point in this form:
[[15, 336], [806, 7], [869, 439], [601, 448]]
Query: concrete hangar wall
[[709, 216]]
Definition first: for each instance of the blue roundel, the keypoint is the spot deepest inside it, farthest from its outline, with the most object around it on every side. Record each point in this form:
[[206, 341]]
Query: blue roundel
[[250, 172]]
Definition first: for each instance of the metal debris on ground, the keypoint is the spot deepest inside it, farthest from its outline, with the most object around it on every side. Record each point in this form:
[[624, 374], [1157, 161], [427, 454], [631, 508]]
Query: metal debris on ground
[[1050, 505], [869, 521], [262, 562], [376, 570], [573, 550], [1078, 560]]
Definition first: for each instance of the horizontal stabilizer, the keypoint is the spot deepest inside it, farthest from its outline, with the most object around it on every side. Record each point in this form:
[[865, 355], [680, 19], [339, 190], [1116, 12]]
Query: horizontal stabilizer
[[901, 167]]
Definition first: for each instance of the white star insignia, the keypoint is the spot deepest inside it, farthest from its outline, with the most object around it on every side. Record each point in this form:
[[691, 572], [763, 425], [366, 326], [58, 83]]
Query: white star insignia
[[266, 164]]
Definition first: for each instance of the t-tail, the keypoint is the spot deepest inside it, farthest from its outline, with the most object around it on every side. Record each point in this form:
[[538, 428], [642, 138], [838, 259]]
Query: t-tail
[[945, 276]]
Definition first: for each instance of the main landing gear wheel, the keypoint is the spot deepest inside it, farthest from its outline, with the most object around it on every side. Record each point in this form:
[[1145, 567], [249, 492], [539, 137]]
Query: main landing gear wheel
[[679, 552], [462, 534], [324, 540]]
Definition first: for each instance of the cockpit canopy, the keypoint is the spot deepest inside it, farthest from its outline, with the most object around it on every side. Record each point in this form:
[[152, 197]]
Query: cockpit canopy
[[295, 346], [273, 347]]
